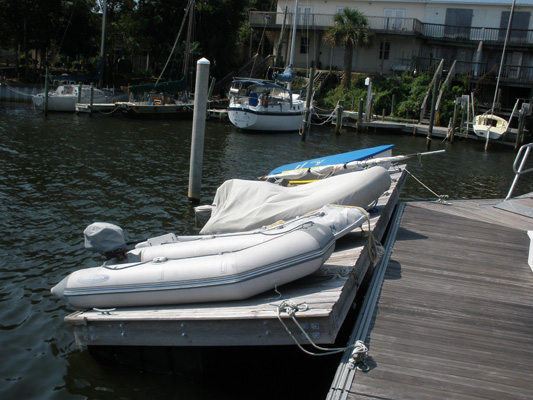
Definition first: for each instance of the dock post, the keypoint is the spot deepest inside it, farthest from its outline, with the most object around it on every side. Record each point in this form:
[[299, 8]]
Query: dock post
[[520, 132], [340, 109], [46, 93], [79, 92], [308, 101], [436, 82], [198, 130], [91, 101], [453, 120], [393, 101], [360, 114], [368, 82]]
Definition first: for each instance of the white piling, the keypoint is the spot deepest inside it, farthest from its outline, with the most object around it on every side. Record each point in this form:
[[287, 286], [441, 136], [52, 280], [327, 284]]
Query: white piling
[[198, 130]]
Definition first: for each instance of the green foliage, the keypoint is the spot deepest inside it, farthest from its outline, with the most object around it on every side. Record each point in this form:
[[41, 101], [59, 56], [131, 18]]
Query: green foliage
[[408, 93], [408, 106], [350, 29]]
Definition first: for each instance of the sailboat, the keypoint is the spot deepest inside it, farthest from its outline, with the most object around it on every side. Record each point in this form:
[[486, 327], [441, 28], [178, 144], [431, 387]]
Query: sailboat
[[65, 97], [489, 125], [164, 99], [264, 105]]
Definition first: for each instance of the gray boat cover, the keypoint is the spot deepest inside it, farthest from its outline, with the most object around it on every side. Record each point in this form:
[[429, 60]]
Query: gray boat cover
[[242, 205]]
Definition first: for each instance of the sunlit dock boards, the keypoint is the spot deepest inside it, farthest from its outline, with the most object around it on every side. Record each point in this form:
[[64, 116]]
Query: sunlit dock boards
[[328, 296], [454, 315]]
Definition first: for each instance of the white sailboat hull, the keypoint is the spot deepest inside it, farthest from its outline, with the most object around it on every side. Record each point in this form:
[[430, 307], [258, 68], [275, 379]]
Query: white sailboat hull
[[65, 97], [491, 125], [271, 118]]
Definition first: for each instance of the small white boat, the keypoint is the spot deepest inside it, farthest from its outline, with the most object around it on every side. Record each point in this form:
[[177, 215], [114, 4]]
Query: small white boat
[[323, 167], [260, 105], [175, 270], [65, 97], [490, 124]]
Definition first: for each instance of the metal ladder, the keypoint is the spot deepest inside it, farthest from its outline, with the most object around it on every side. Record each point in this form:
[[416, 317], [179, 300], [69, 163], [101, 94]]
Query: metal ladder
[[521, 157]]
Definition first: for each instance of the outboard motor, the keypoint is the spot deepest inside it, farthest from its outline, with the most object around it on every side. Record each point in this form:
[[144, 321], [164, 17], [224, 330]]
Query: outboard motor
[[107, 239]]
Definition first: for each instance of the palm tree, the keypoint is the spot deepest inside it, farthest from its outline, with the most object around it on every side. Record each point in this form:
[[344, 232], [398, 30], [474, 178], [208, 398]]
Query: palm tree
[[350, 28]]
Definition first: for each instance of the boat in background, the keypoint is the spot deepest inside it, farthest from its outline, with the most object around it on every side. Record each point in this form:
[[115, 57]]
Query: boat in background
[[491, 125], [65, 97], [157, 109], [488, 125], [262, 105], [177, 270]]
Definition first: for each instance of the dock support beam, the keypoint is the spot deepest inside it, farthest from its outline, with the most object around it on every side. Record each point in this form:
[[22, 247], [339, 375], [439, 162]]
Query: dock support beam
[[46, 93], [340, 109], [436, 82], [308, 101], [198, 130]]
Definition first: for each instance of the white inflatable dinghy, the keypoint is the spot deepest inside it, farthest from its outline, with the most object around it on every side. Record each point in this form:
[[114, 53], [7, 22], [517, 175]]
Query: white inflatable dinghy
[[190, 269]]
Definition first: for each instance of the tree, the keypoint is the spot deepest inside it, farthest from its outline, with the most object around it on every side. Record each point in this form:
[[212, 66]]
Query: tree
[[350, 29]]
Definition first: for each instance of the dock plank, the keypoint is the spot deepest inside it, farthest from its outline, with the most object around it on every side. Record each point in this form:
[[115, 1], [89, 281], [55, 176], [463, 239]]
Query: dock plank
[[453, 319]]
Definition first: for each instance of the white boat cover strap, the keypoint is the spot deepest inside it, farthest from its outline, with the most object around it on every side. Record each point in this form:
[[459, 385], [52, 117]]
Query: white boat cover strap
[[241, 205]]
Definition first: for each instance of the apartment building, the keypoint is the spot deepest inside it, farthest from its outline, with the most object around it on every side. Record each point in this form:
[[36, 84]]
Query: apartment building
[[412, 35]]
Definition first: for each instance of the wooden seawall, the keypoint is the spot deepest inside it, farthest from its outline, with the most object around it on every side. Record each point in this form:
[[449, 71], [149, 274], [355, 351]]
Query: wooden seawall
[[453, 314]]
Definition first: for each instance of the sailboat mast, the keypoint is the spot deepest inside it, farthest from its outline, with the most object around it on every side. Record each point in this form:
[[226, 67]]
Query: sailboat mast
[[102, 43], [293, 39], [188, 43], [503, 57]]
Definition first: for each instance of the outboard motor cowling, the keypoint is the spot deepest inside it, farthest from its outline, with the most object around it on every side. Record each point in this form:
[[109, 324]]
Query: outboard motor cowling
[[105, 238]]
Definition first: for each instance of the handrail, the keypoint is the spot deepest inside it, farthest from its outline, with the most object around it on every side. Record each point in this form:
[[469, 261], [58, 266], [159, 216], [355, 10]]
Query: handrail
[[525, 148]]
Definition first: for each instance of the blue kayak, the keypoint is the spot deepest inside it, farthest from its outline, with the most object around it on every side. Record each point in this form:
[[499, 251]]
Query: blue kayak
[[357, 155]]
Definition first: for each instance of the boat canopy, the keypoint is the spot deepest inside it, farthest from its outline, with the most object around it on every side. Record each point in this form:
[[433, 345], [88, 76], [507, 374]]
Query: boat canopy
[[167, 87], [257, 87]]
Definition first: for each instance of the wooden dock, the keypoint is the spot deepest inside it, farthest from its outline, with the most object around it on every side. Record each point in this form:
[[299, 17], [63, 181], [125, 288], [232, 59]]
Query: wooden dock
[[453, 311], [106, 108], [328, 295]]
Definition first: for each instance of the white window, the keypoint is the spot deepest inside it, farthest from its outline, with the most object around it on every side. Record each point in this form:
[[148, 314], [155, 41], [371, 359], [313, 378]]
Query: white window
[[304, 16], [393, 19]]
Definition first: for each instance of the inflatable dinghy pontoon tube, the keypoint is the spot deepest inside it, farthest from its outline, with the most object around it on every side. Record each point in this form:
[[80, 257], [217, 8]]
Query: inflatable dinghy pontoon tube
[[208, 268]]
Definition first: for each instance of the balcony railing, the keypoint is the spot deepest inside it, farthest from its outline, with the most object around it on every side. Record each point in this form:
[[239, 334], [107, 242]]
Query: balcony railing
[[403, 26]]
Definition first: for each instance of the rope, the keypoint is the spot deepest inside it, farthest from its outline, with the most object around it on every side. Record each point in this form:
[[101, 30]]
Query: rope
[[441, 198], [291, 308], [329, 118], [16, 91], [358, 357]]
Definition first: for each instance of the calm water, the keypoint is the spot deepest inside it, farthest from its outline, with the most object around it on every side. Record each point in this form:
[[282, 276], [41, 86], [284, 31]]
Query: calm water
[[59, 174]]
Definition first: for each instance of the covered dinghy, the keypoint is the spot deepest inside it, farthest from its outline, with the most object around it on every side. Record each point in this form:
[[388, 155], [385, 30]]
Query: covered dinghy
[[241, 205]]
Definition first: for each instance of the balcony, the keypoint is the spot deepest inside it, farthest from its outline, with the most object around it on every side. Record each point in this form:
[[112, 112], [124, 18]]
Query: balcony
[[400, 26]]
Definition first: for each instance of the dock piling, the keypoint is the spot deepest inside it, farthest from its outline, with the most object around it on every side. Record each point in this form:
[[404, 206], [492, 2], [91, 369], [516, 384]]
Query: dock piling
[[198, 130], [46, 93], [308, 101], [340, 109]]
